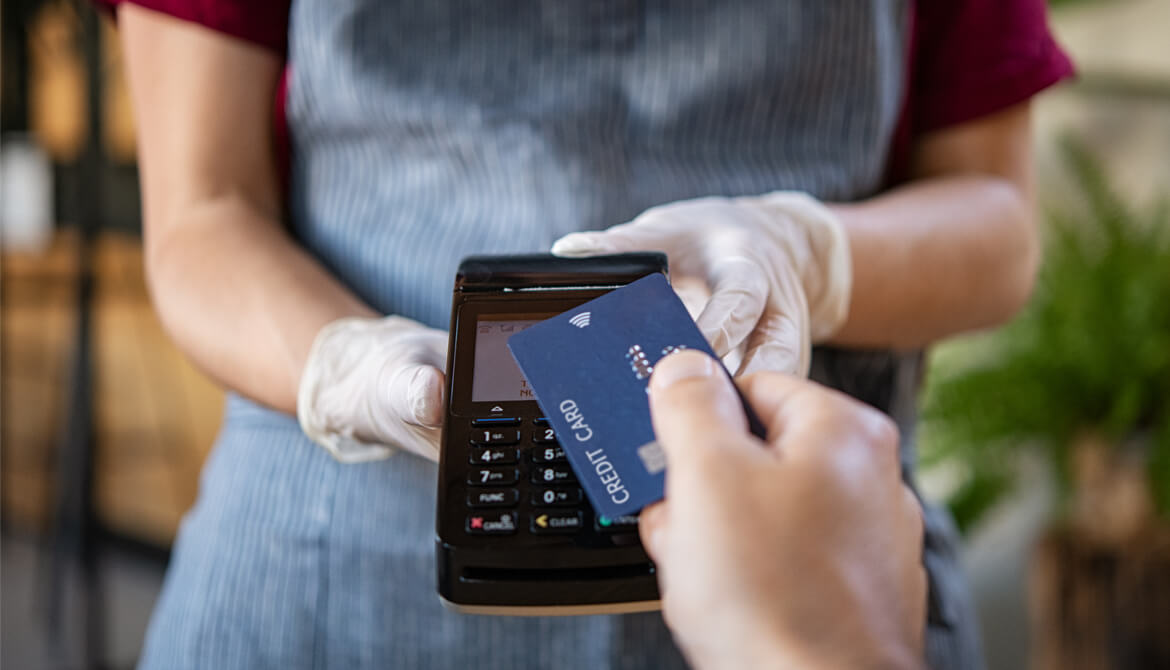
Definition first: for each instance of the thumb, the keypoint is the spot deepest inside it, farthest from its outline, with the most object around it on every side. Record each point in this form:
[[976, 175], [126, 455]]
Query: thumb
[[693, 405], [615, 239], [415, 394], [587, 244], [653, 522]]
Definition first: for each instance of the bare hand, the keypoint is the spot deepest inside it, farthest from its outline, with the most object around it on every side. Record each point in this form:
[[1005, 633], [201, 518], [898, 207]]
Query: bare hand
[[801, 552]]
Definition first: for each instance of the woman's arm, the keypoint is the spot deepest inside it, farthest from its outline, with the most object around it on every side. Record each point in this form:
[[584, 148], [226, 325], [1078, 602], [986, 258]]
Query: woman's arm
[[232, 288], [956, 248]]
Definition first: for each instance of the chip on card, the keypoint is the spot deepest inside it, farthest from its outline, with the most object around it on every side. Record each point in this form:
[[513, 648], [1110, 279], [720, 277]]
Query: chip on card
[[589, 368]]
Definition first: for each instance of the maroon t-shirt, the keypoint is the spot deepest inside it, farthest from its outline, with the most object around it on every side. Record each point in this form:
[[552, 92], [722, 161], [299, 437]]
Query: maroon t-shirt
[[967, 58]]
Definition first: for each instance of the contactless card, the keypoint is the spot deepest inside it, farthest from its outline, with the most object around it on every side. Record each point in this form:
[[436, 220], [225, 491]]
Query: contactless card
[[589, 368]]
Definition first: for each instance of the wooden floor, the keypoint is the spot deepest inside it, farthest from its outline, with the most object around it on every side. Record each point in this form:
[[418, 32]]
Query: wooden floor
[[156, 416]]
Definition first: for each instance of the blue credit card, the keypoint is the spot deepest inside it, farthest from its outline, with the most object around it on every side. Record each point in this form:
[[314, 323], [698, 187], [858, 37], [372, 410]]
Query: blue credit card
[[589, 368]]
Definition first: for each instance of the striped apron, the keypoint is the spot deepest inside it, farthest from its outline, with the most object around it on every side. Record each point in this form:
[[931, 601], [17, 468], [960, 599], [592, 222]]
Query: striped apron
[[426, 131]]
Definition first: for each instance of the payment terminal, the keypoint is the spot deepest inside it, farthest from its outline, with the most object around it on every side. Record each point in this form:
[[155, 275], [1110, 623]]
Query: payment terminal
[[515, 534]]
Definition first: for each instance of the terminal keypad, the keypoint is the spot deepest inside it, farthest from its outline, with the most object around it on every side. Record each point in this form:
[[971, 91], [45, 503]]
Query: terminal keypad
[[520, 480]]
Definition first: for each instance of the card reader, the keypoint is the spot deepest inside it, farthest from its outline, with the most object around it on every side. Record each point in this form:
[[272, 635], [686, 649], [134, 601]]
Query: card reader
[[514, 533]]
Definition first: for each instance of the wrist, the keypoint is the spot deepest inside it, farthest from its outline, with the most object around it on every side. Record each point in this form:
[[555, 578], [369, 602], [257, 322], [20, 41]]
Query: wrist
[[755, 644], [755, 647], [340, 394], [858, 652], [822, 259]]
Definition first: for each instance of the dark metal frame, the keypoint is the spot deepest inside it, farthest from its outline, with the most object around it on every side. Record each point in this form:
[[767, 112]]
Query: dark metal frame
[[77, 540]]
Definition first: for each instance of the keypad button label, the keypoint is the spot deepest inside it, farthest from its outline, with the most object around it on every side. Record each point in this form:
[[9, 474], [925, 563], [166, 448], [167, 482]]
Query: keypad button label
[[624, 523], [496, 456], [555, 474], [492, 523], [492, 476], [548, 455], [556, 522], [491, 436], [558, 497], [493, 498], [544, 435]]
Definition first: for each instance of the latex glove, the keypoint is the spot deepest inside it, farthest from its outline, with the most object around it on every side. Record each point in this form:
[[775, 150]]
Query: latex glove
[[804, 551], [371, 386], [777, 266]]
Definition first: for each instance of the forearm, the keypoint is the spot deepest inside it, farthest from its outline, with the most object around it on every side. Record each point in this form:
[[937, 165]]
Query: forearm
[[937, 257], [241, 298]]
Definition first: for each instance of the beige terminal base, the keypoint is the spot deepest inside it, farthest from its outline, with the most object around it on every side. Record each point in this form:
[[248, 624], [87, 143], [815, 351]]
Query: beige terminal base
[[555, 610]]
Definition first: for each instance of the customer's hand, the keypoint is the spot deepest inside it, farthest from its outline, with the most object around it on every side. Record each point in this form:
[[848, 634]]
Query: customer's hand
[[800, 552], [777, 266], [373, 385]]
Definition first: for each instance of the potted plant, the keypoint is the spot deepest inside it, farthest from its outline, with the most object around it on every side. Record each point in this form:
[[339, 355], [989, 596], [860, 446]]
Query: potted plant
[[1080, 380]]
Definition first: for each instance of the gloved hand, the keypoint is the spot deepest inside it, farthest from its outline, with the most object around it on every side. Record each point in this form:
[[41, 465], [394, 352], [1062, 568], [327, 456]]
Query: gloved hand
[[777, 265], [374, 385]]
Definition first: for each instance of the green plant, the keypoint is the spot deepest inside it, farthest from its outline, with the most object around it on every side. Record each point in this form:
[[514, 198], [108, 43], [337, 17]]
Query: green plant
[[1090, 354]]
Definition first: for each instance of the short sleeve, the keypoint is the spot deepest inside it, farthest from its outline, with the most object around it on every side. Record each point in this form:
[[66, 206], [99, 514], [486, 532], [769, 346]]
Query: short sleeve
[[975, 57], [262, 23]]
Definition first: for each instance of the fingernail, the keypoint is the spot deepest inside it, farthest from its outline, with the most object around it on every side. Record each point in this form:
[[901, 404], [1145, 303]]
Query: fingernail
[[681, 366], [574, 243]]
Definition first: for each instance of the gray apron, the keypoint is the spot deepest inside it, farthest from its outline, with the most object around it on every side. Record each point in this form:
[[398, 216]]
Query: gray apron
[[426, 131]]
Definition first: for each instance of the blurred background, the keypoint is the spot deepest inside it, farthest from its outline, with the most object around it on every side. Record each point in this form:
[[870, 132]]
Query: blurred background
[[1050, 438]]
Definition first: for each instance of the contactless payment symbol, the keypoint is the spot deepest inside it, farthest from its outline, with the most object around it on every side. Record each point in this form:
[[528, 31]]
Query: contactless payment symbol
[[581, 320]]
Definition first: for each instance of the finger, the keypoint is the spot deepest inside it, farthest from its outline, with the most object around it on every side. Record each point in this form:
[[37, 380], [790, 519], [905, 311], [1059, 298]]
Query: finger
[[914, 520], [420, 382], [739, 293], [917, 584], [804, 417], [768, 393], [416, 395], [421, 440], [652, 523], [433, 350], [585, 244], [693, 406], [920, 611], [615, 239], [693, 292], [780, 341], [776, 345]]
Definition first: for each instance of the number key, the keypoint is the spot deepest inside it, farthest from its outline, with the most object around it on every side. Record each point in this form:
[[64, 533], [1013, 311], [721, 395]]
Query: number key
[[490, 456], [487, 436], [558, 497], [548, 455], [544, 435], [492, 476], [557, 474]]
